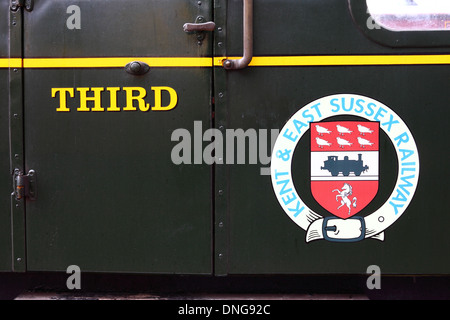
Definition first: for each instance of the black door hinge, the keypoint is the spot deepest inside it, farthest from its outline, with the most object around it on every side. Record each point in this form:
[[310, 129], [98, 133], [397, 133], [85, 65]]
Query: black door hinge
[[27, 4], [25, 185]]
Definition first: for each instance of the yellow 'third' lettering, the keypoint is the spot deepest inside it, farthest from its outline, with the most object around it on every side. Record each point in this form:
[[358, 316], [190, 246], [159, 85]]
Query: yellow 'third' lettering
[[134, 97], [113, 98], [62, 98], [96, 99], [158, 93], [142, 93]]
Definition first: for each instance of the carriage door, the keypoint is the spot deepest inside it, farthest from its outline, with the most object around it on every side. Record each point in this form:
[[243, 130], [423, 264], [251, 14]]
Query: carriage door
[[106, 84], [361, 113]]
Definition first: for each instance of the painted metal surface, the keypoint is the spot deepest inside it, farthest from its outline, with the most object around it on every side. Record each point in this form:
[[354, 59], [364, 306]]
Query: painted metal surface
[[112, 200], [261, 238], [5, 180], [98, 134]]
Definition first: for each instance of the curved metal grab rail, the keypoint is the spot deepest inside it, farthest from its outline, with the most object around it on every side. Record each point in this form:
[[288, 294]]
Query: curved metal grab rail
[[231, 64]]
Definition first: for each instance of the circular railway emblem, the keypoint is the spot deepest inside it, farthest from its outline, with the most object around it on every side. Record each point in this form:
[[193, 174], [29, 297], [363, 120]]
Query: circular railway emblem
[[344, 167]]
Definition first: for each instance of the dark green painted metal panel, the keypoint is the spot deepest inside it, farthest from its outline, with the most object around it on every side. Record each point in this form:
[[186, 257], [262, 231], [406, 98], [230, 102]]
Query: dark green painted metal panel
[[220, 122], [111, 200], [5, 177], [261, 237], [4, 29], [114, 28], [16, 139], [110, 197]]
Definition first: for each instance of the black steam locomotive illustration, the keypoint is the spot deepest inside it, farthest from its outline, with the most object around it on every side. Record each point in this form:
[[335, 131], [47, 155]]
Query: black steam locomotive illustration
[[345, 166]]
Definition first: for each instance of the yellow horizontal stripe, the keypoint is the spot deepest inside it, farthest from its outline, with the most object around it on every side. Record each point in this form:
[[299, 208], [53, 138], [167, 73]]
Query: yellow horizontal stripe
[[276, 61], [114, 62], [11, 63], [280, 61]]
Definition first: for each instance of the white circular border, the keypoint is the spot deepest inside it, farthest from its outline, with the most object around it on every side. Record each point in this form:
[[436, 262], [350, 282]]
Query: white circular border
[[319, 110]]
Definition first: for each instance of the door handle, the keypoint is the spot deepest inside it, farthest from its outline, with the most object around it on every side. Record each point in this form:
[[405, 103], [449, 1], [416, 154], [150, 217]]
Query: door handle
[[199, 27], [232, 64]]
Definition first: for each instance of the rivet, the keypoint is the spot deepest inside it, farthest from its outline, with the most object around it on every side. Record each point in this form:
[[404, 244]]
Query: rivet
[[135, 67], [220, 94], [220, 224], [220, 192]]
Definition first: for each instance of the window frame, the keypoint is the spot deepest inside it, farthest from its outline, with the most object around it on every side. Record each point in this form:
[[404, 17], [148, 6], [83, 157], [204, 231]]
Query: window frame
[[396, 39]]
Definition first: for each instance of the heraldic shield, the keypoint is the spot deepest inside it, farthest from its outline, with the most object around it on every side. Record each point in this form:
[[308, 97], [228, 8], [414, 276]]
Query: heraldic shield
[[344, 165]]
